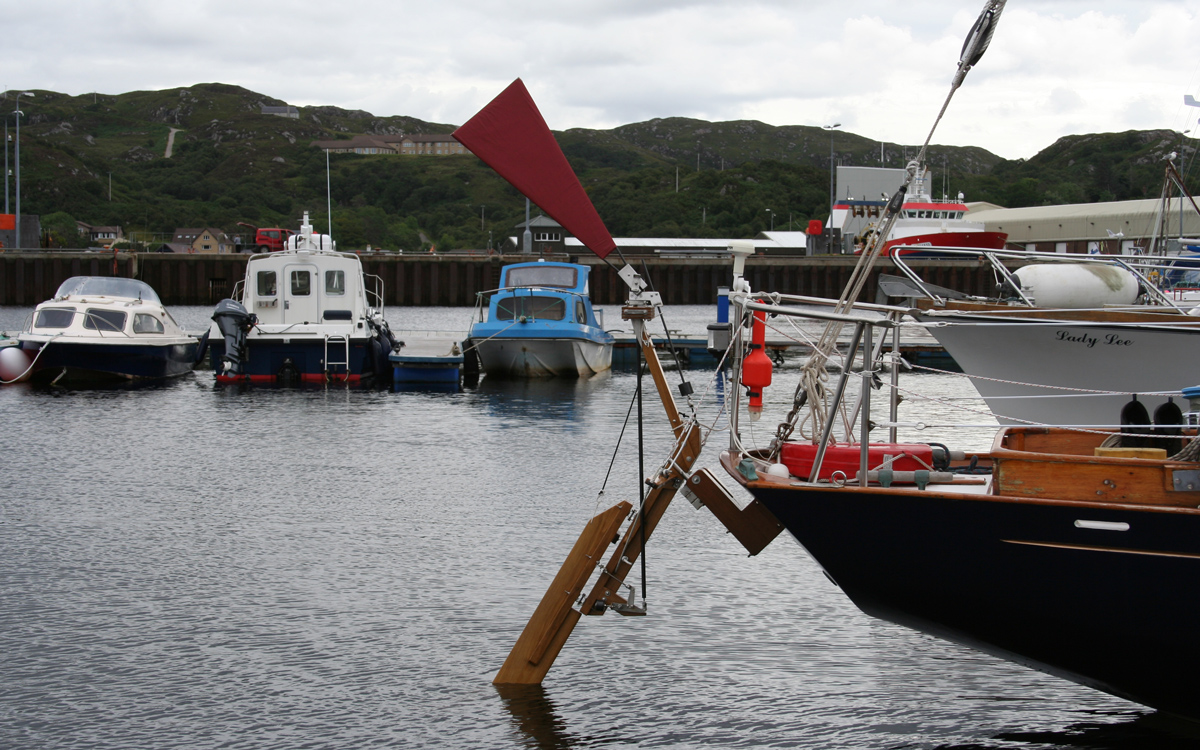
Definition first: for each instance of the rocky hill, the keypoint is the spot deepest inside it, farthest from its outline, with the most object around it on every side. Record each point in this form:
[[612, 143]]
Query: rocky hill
[[103, 159]]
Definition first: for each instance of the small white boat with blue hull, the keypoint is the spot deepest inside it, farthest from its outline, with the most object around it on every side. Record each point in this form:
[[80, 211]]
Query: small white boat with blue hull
[[98, 329], [540, 323]]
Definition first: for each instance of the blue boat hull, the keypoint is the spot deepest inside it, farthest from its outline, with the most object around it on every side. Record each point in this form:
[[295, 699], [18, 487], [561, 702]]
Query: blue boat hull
[[274, 360], [71, 361]]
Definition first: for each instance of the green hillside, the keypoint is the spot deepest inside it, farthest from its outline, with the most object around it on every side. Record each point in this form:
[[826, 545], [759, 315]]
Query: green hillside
[[100, 158]]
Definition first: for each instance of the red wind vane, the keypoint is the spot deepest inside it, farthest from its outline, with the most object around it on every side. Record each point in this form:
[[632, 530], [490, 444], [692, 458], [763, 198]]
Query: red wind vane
[[511, 136]]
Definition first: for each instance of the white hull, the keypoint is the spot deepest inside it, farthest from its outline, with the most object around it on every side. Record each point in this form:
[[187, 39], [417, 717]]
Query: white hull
[[1075, 358], [537, 358]]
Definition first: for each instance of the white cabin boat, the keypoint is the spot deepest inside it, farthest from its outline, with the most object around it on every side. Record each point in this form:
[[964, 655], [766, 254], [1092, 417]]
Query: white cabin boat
[[304, 314]]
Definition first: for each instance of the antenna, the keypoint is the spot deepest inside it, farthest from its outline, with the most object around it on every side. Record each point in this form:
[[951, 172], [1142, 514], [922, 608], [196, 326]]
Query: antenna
[[328, 194]]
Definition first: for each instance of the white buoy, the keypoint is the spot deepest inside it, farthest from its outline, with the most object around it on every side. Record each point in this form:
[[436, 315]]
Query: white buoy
[[778, 470], [1075, 286], [14, 361]]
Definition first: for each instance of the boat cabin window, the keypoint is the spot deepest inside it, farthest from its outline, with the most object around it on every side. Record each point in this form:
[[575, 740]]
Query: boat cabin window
[[143, 323], [335, 282], [301, 283], [106, 286], [104, 320], [537, 308], [55, 317], [580, 313], [562, 277], [266, 283]]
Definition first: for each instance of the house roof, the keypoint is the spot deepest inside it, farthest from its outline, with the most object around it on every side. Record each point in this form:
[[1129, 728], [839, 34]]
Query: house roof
[[1086, 221], [187, 233], [541, 221], [438, 138], [359, 141]]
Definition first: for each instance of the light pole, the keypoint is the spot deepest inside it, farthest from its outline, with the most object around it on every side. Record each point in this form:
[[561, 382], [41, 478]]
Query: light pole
[[481, 207], [7, 139], [17, 113], [772, 219], [830, 128]]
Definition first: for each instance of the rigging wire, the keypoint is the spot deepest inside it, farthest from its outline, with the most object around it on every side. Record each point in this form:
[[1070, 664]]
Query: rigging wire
[[978, 39]]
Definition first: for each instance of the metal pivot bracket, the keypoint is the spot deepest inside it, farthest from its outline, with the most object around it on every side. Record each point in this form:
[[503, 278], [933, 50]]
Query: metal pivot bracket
[[1185, 480]]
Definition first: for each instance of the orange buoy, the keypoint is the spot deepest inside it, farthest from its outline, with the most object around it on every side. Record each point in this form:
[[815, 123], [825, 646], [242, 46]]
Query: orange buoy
[[756, 370]]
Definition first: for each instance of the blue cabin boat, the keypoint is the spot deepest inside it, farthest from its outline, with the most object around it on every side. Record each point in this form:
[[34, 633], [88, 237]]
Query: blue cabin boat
[[540, 323]]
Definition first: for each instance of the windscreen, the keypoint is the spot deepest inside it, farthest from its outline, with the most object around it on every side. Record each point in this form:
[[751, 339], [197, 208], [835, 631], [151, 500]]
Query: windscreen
[[562, 277]]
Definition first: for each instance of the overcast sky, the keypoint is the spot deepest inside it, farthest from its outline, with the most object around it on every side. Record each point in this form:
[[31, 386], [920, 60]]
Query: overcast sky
[[881, 69]]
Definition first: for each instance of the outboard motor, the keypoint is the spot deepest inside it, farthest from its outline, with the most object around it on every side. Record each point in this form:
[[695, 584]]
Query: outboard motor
[[234, 323]]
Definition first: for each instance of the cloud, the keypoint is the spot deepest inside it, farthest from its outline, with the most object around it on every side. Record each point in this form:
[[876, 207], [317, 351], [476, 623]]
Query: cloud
[[881, 68]]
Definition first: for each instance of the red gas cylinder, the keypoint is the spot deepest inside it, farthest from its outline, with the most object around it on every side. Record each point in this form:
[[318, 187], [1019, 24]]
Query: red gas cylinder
[[756, 369]]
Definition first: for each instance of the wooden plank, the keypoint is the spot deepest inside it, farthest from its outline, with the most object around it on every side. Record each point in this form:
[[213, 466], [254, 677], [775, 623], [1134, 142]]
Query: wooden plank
[[754, 526], [654, 365], [554, 619], [1103, 480]]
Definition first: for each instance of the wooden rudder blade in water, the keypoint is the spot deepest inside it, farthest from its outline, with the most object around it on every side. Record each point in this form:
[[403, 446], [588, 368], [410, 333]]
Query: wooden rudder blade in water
[[554, 618]]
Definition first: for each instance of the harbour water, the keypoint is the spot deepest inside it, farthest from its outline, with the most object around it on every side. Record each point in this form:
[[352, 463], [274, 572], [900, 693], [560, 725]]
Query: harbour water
[[195, 566]]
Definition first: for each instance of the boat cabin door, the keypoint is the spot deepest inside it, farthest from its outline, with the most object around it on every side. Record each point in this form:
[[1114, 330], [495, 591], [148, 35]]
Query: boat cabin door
[[300, 298]]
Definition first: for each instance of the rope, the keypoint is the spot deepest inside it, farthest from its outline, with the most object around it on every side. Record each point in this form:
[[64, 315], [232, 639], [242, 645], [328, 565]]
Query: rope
[[489, 338], [1082, 391]]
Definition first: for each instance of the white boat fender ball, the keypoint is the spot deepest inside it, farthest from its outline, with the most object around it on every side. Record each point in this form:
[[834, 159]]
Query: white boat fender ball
[[14, 361], [778, 470]]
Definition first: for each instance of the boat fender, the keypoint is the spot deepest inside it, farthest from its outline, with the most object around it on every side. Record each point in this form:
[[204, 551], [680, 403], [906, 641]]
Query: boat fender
[[778, 470], [379, 354], [1135, 421], [288, 373], [756, 369], [14, 364], [1168, 420], [202, 348]]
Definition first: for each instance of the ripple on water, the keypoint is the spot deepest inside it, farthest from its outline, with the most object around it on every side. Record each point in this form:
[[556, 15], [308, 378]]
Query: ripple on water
[[188, 566]]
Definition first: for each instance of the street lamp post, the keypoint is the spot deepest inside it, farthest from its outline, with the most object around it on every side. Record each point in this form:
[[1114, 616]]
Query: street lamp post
[[17, 155], [772, 219], [830, 128]]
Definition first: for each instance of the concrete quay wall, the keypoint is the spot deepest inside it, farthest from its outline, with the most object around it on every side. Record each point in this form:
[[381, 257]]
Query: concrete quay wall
[[27, 278]]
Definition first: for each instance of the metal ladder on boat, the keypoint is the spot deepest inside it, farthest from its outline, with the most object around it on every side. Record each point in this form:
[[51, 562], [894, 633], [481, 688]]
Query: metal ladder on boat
[[344, 343]]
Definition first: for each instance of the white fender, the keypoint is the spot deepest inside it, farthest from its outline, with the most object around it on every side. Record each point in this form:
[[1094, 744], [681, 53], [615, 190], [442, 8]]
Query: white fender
[[14, 361], [1077, 285]]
